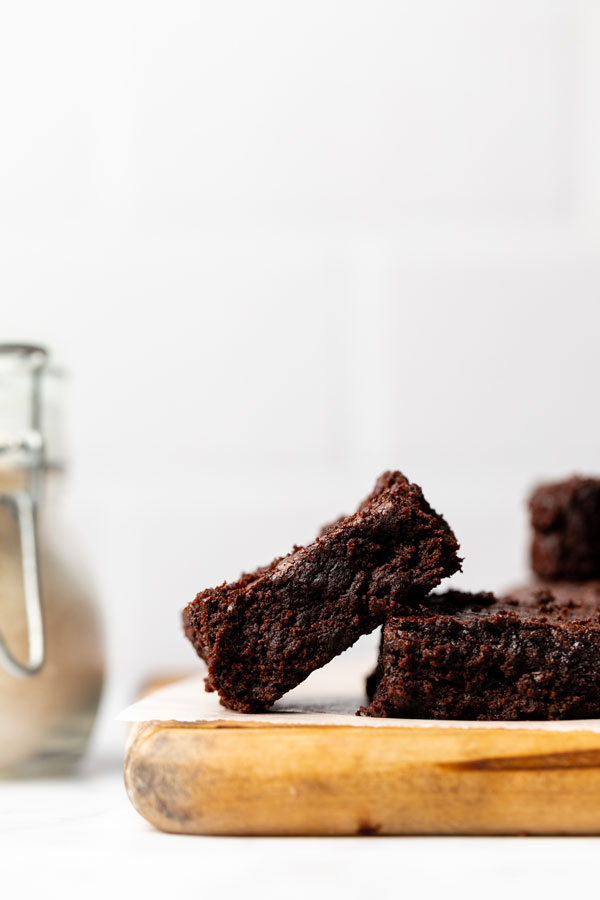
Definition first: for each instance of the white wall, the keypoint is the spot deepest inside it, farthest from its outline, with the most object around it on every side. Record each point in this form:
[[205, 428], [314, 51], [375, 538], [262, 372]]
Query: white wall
[[281, 247]]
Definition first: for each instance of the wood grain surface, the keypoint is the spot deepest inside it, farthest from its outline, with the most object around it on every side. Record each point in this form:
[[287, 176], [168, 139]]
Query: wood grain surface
[[325, 780]]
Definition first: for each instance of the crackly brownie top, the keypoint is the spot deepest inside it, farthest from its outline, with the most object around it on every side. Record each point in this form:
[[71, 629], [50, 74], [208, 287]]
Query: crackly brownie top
[[533, 605]]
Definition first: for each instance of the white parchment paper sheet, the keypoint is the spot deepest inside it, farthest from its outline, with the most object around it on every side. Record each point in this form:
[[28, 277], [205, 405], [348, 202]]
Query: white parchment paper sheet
[[328, 697]]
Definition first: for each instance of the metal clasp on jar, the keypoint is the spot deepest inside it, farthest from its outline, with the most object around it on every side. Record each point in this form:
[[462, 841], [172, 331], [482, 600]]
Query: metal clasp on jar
[[28, 448], [23, 506]]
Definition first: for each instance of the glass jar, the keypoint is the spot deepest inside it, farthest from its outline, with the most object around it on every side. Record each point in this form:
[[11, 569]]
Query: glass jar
[[51, 666]]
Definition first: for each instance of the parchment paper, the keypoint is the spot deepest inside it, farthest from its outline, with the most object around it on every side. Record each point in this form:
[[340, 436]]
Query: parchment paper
[[330, 696]]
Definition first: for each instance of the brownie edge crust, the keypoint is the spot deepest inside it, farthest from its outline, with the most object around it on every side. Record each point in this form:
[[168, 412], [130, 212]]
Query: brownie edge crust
[[265, 633], [471, 656]]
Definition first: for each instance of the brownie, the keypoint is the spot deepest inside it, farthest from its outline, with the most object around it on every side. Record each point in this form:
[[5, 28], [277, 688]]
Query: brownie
[[473, 656], [565, 516], [265, 633]]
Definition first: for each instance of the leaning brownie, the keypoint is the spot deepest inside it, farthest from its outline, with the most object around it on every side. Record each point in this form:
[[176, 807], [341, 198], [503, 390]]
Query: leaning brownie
[[471, 656], [265, 633], [566, 529]]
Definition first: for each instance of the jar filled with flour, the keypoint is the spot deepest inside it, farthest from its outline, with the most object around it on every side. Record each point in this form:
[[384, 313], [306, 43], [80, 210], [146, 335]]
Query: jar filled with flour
[[50, 641]]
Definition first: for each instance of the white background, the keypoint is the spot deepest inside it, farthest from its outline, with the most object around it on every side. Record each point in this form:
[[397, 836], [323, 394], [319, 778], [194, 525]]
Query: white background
[[283, 246]]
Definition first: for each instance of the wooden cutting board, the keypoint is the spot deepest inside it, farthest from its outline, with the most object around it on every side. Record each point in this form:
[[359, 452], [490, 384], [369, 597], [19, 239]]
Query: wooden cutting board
[[262, 778]]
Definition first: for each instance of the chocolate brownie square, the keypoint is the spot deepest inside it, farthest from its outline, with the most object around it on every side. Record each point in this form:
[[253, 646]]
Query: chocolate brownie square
[[472, 656], [565, 516], [264, 634]]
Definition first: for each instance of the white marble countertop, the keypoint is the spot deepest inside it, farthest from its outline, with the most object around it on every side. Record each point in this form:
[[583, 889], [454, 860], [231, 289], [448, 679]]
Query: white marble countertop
[[79, 837]]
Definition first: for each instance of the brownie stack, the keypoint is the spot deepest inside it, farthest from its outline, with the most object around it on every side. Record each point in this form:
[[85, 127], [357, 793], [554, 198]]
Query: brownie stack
[[565, 517], [565, 544], [265, 633], [532, 655]]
